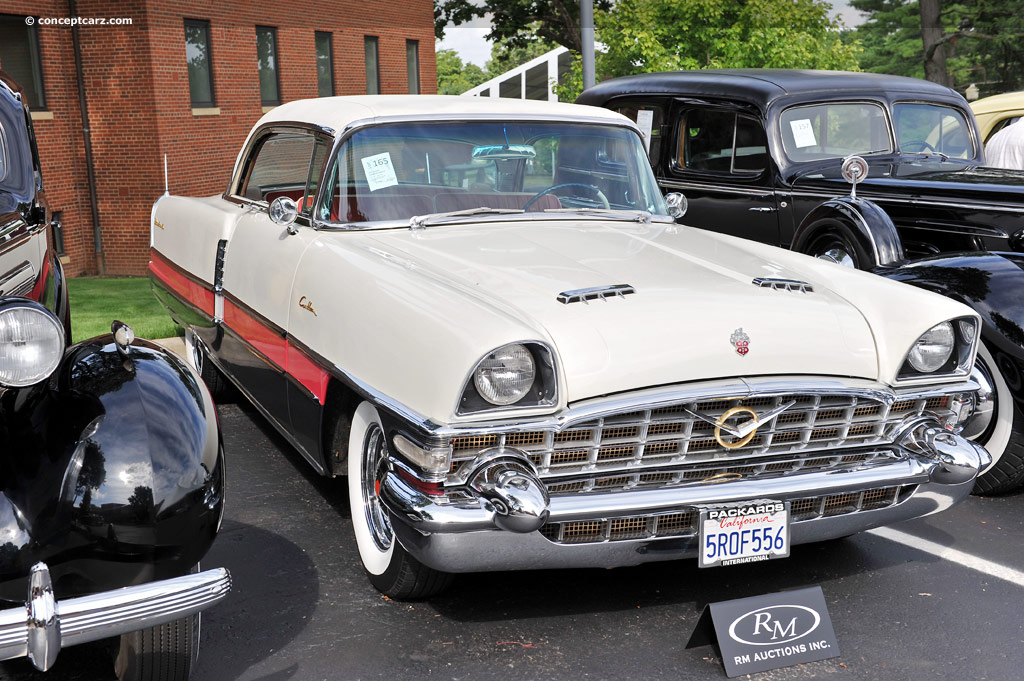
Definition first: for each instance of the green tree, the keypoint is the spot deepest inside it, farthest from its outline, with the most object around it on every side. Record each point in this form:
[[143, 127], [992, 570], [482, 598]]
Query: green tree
[[454, 76], [506, 54], [517, 22], [971, 41]]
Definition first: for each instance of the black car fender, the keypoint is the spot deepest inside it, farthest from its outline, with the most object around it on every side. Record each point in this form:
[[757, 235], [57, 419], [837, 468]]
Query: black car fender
[[992, 285], [864, 220], [128, 487]]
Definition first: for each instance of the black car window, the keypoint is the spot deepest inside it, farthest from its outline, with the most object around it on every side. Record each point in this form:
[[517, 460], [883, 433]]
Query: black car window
[[631, 110], [834, 130], [923, 127], [278, 166], [722, 142]]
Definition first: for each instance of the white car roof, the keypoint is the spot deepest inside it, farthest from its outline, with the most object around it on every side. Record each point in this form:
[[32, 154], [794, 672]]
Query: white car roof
[[338, 113]]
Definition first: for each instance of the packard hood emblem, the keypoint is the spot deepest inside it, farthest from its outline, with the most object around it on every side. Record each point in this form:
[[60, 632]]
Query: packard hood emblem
[[740, 341]]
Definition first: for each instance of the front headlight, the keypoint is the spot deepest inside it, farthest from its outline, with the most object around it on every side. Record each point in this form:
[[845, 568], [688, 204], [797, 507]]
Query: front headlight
[[946, 349], [506, 375], [31, 344], [514, 376], [932, 349]]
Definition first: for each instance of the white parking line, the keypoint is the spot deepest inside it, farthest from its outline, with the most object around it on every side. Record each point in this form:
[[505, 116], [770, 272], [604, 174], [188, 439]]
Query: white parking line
[[953, 555]]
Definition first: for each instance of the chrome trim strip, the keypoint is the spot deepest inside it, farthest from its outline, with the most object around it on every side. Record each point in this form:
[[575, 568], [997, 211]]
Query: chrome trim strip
[[584, 295], [914, 202], [110, 613], [676, 184]]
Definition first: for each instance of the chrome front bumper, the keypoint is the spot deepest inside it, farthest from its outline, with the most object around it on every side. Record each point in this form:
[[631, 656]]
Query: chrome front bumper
[[45, 625], [477, 535]]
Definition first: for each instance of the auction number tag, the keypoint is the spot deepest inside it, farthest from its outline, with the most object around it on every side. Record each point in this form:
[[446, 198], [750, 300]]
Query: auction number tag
[[746, 532], [803, 133], [380, 171]]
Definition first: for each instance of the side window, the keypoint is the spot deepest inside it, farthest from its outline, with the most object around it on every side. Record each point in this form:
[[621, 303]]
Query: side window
[[278, 166], [650, 119], [721, 142], [323, 147]]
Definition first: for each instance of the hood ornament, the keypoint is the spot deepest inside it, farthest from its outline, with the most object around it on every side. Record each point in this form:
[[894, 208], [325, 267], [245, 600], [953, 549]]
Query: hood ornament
[[740, 341]]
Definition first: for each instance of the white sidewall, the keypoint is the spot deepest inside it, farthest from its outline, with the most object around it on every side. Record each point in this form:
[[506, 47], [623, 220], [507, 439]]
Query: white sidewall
[[1000, 437], [374, 560]]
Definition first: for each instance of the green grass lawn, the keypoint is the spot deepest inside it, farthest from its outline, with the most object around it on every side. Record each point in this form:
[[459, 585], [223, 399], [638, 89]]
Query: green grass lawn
[[97, 302]]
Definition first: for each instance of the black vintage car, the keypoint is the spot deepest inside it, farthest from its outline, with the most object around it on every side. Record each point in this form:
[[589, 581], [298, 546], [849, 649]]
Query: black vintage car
[[761, 153], [111, 465]]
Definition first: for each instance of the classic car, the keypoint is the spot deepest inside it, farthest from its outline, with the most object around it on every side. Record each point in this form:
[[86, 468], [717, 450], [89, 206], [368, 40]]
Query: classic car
[[530, 365], [760, 153], [112, 478], [996, 112]]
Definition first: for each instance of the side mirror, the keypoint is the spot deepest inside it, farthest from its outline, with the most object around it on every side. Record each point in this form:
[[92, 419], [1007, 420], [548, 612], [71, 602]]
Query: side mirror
[[284, 212], [677, 204], [854, 170]]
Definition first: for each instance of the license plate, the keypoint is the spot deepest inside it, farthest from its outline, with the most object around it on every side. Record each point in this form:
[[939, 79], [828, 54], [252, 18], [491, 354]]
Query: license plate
[[746, 532]]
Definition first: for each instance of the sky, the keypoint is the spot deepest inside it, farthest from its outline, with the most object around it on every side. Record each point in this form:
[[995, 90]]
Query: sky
[[468, 39]]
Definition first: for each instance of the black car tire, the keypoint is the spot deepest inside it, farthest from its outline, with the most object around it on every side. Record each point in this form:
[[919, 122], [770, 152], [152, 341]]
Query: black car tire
[[220, 388], [167, 652], [837, 237], [390, 568], [1004, 438]]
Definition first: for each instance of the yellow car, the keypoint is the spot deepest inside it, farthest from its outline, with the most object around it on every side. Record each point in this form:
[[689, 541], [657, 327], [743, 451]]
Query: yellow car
[[996, 112]]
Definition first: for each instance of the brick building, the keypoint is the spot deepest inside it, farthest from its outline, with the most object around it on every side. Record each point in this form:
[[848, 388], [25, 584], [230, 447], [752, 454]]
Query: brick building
[[185, 78]]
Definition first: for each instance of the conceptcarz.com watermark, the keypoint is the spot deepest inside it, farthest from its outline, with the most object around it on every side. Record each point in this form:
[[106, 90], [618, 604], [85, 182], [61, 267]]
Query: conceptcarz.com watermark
[[78, 21]]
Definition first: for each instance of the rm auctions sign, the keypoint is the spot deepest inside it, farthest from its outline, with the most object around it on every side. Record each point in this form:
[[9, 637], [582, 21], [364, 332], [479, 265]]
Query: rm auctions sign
[[767, 632]]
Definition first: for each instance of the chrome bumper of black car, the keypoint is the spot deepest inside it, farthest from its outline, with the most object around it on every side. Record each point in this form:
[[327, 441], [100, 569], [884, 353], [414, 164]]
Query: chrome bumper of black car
[[45, 625]]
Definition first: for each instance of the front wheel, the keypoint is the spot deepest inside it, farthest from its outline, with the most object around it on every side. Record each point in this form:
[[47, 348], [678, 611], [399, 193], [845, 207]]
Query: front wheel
[[167, 652], [837, 245], [1003, 434], [391, 569]]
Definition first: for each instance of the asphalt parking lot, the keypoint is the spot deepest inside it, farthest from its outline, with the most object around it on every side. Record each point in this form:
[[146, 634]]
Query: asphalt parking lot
[[947, 606]]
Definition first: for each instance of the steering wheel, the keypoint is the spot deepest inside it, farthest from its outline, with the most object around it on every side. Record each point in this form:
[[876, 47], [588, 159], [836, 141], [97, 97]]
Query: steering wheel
[[598, 194], [924, 146]]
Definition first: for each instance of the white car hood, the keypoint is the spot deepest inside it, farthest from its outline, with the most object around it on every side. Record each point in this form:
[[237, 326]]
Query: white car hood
[[693, 292]]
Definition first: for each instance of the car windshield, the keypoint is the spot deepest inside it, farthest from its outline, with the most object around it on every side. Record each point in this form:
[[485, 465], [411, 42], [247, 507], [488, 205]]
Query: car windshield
[[405, 170], [834, 130], [932, 129]]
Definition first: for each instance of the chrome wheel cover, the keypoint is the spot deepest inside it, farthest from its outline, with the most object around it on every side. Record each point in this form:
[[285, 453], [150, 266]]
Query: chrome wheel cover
[[374, 468], [839, 256]]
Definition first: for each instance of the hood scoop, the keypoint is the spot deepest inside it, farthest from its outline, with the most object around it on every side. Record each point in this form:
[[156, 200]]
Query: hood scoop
[[585, 295], [783, 284]]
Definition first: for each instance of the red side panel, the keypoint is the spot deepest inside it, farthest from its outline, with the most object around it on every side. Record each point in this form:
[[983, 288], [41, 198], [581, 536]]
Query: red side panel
[[308, 373], [194, 292], [267, 341]]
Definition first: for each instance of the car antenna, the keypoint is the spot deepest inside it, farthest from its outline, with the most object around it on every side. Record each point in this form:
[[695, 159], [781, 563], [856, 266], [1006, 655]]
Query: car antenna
[[167, 191]]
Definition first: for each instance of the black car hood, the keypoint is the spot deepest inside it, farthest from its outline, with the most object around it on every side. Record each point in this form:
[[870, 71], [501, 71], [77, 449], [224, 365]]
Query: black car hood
[[925, 177]]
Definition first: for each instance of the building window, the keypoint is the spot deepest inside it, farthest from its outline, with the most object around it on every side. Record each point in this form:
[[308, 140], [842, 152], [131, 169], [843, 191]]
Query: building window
[[412, 61], [324, 64], [197, 56], [372, 65], [266, 62], [19, 57]]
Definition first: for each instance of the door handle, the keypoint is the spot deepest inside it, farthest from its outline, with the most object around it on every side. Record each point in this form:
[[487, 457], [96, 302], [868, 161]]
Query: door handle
[[761, 209]]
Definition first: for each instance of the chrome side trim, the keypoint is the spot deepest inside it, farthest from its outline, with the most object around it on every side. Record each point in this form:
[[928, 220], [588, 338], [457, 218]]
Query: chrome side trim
[[585, 295], [883, 198], [783, 284], [675, 184], [44, 626]]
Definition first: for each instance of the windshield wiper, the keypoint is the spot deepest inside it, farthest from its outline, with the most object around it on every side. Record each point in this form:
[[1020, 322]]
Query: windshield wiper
[[421, 221], [621, 213]]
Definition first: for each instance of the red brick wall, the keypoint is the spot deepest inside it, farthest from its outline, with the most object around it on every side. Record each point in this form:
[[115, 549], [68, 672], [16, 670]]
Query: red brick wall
[[136, 83]]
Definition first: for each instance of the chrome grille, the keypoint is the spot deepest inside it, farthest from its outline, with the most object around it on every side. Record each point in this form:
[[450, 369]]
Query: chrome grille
[[815, 433], [684, 523]]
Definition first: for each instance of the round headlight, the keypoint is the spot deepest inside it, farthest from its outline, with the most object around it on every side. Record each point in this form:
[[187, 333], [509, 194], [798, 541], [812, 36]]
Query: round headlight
[[31, 345], [933, 349], [506, 375]]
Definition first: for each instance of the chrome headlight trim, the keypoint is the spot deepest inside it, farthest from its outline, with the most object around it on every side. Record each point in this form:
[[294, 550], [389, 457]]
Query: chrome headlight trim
[[41, 351], [543, 392], [959, 360]]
